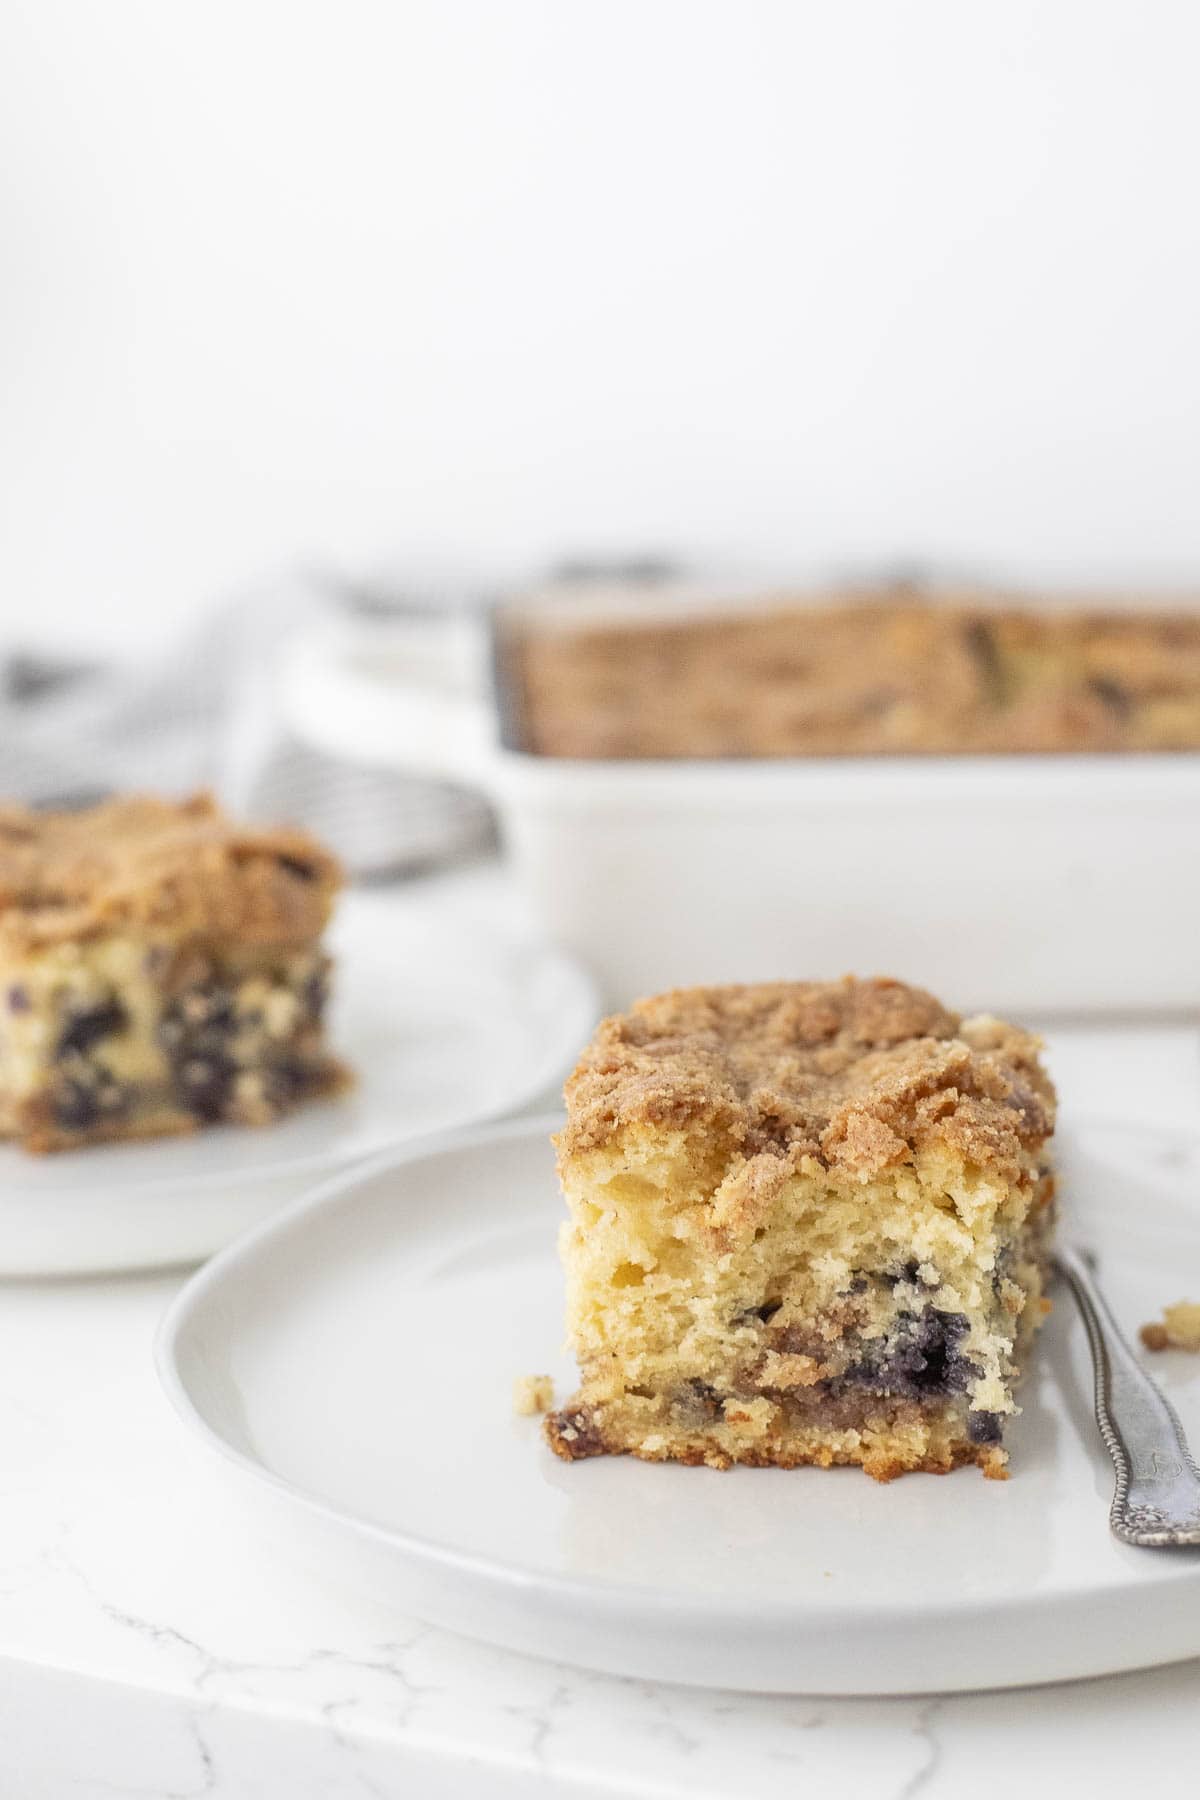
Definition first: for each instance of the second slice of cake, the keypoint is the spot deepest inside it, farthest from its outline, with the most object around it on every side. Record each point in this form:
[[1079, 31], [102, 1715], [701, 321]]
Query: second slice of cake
[[809, 1224], [161, 970]]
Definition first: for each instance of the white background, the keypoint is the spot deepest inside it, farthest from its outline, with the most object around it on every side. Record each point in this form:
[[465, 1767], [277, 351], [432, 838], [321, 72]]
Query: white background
[[484, 281]]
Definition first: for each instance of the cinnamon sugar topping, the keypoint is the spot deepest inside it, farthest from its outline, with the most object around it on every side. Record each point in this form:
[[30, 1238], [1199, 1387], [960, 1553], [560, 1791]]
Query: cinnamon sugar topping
[[855, 1073], [181, 866]]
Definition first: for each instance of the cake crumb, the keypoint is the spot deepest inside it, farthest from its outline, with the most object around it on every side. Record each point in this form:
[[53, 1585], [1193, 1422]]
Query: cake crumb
[[1178, 1330], [532, 1394]]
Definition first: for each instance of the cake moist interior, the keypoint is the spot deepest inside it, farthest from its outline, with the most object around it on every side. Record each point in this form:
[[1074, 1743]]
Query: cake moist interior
[[809, 1223], [121, 1031]]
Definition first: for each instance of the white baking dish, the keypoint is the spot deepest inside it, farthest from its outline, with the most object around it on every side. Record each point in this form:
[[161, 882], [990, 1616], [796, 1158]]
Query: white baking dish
[[1031, 884]]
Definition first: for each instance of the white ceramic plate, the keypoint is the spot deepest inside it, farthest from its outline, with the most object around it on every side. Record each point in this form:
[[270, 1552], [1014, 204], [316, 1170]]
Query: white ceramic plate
[[444, 1025], [353, 1361]]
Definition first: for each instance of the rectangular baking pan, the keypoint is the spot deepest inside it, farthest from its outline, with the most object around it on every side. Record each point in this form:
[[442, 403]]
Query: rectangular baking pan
[[1030, 884]]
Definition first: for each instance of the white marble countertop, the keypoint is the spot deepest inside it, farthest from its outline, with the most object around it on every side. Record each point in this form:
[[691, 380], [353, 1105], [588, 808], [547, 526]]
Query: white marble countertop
[[149, 1646]]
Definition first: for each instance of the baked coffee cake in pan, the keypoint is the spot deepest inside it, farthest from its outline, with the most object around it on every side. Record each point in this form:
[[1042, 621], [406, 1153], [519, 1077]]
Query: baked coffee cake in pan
[[160, 970], [809, 1223], [854, 675]]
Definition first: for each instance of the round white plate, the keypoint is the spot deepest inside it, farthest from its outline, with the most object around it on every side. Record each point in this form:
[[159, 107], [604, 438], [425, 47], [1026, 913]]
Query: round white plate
[[444, 1026], [353, 1361]]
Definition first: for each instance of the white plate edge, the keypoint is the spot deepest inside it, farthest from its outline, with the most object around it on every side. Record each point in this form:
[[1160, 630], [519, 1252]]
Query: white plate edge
[[602, 1596]]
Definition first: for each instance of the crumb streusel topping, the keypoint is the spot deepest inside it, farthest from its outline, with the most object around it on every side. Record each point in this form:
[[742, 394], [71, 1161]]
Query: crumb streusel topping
[[854, 1073], [177, 865]]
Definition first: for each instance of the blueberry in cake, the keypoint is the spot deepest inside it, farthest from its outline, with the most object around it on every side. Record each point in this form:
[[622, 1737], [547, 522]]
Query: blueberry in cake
[[160, 970], [809, 1223]]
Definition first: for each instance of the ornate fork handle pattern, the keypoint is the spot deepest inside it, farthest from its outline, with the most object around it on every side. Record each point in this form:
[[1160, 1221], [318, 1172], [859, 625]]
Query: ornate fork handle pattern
[[1157, 1497]]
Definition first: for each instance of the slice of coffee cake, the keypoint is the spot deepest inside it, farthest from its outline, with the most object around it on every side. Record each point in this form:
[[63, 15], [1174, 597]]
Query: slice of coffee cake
[[809, 1223], [161, 969]]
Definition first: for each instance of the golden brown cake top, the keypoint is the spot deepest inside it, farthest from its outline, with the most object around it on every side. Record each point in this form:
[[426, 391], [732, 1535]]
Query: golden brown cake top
[[176, 866], [855, 674], [855, 1073]]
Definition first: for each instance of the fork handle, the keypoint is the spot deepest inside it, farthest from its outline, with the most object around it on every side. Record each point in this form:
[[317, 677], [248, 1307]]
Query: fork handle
[[1157, 1497], [1157, 1494]]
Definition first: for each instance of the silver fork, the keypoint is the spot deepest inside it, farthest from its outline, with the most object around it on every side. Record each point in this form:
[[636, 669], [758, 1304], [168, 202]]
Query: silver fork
[[1157, 1497]]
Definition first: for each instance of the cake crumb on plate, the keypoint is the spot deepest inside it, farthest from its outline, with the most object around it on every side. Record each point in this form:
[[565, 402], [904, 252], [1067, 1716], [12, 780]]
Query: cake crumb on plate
[[1179, 1328], [532, 1394]]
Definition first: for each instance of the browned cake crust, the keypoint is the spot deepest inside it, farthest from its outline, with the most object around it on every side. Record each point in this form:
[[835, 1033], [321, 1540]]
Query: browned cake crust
[[146, 862], [574, 1437], [855, 1073]]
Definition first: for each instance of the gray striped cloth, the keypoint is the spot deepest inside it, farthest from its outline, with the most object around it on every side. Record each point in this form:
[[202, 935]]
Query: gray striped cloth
[[205, 716]]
